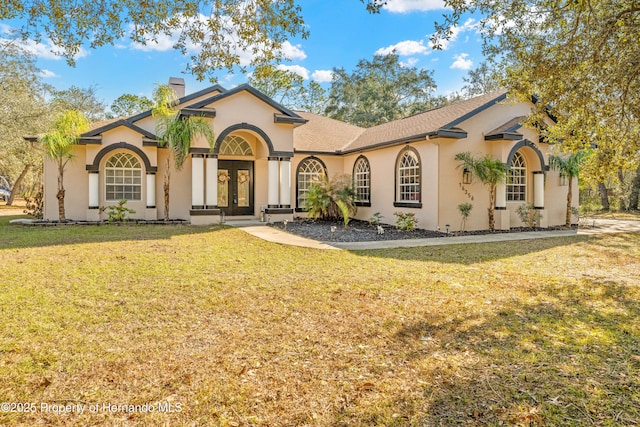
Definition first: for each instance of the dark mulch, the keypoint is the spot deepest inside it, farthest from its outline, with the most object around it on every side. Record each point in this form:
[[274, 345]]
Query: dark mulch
[[362, 231]]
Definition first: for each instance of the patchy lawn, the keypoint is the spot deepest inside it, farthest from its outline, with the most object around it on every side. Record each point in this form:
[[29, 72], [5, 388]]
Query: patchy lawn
[[224, 329]]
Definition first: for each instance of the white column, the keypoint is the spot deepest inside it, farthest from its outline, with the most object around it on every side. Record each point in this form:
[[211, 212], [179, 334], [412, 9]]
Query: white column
[[151, 190], [272, 193], [285, 183], [501, 195], [538, 190], [94, 190], [211, 196], [197, 180]]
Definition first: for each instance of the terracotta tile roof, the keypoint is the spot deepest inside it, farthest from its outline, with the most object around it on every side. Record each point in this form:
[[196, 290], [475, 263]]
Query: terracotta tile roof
[[420, 125], [322, 134]]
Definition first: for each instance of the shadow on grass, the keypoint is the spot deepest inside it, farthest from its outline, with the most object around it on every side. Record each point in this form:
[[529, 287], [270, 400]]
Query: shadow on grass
[[569, 357], [473, 253], [14, 236]]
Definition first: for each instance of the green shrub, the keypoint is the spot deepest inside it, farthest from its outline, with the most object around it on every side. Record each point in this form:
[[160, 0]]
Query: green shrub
[[332, 199], [465, 211], [375, 219], [406, 221], [117, 213], [528, 214]]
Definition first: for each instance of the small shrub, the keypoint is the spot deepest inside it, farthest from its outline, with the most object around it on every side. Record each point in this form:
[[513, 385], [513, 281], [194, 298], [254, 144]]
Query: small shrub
[[375, 219], [117, 213], [528, 214], [406, 221], [323, 196], [465, 211]]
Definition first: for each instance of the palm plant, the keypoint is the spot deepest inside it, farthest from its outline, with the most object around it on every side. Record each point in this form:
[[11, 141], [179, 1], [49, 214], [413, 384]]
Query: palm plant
[[490, 172], [569, 167], [58, 145], [331, 199], [175, 132]]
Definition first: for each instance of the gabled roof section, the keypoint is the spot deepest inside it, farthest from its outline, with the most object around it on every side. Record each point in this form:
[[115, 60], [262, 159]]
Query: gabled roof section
[[322, 134], [507, 131], [184, 100], [285, 116], [440, 122], [91, 135]]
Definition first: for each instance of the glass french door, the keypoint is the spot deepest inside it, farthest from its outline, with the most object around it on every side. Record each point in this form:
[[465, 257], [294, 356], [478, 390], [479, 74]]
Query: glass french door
[[235, 187]]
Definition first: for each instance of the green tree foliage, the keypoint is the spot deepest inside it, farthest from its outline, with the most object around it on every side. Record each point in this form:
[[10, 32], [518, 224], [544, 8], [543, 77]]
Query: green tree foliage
[[380, 91], [176, 133], [482, 79], [129, 104], [79, 99], [490, 172], [569, 167], [580, 59], [58, 145], [25, 112], [223, 30], [290, 90]]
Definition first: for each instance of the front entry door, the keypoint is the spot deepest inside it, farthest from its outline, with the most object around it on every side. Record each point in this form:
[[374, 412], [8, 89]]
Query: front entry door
[[235, 187]]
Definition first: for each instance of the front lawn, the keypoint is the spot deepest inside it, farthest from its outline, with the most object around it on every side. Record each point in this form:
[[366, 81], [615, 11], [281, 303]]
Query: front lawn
[[211, 326]]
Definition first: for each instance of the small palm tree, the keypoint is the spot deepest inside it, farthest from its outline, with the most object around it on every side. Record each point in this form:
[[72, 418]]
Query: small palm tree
[[58, 146], [569, 167], [490, 172], [176, 133]]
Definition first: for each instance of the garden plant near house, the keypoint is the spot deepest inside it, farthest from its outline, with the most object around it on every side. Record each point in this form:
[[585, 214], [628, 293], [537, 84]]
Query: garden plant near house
[[58, 146], [465, 211], [176, 133], [569, 167], [331, 199], [490, 172]]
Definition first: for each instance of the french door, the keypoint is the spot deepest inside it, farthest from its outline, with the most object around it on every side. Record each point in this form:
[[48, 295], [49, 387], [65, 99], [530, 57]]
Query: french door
[[235, 187]]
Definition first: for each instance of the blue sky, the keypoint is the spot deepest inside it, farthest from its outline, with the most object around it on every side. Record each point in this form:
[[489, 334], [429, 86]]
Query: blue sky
[[341, 33]]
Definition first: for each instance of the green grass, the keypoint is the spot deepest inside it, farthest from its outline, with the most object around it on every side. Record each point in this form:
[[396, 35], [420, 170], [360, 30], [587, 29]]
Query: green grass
[[239, 331]]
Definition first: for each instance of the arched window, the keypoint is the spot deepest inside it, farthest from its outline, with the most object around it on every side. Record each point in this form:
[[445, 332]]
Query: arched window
[[310, 170], [517, 179], [408, 179], [362, 180], [234, 145], [123, 178]]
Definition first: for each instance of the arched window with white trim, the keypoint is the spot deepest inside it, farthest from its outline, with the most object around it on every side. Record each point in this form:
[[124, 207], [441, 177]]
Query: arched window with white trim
[[362, 181], [234, 145], [408, 177], [517, 179], [123, 178], [310, 170]]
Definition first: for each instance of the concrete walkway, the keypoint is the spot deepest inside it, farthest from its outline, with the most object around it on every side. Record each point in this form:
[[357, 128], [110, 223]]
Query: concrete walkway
[[272, 234]]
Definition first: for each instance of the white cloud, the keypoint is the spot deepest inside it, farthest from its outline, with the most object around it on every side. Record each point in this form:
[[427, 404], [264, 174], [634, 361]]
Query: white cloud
[[298, 69], [48, 74], [322, 76], [410, 62], [293, 52], [406, 6], [461, 62], [405, 48]]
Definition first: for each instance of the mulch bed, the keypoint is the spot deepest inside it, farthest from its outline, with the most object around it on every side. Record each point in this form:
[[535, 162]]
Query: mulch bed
[[363, 231]]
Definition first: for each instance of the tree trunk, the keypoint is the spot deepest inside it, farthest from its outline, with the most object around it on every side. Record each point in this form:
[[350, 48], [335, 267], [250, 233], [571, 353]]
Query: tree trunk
[[634, 197], [624, 201], [604, 197], [16, 184], [167, 180], [492, 204], [569, 197], [60, 195]]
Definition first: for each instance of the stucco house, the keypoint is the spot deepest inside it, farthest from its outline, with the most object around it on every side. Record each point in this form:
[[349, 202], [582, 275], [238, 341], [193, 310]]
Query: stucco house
[[265, 157]]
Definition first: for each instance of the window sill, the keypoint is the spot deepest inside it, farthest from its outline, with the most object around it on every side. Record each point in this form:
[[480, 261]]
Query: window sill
[[414, 205], [365, 204]]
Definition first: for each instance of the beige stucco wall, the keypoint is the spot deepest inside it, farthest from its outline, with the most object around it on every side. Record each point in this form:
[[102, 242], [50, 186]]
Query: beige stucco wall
[[76, 184]]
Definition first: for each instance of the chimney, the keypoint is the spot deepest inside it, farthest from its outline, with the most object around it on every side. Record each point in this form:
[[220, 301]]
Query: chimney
[[177, 84]]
